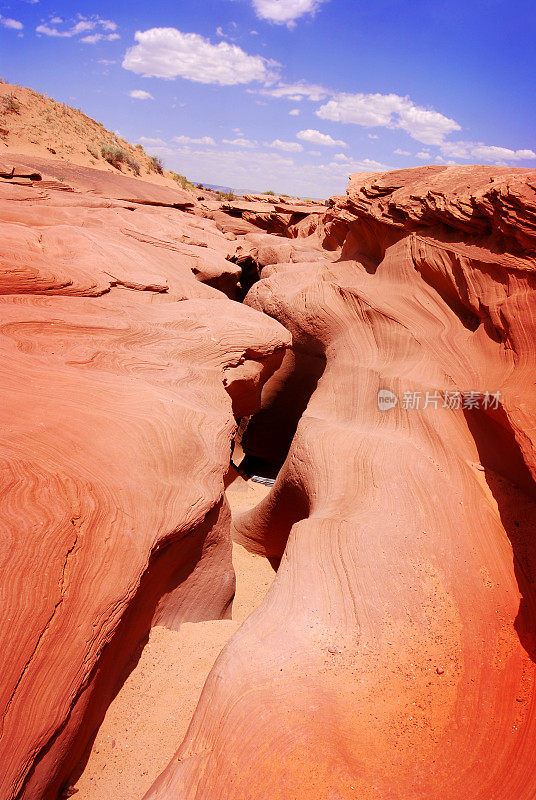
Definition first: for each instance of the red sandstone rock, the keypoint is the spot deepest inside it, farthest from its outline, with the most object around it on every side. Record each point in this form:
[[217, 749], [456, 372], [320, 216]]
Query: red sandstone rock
[[111, 185], [395, 654], [119, 371]]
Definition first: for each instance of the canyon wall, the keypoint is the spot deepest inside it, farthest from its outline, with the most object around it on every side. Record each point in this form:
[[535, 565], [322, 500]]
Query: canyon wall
[[123, 367], [394, 656]]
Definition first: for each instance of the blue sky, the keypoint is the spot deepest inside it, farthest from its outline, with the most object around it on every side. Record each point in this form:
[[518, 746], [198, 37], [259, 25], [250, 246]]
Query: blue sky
[[291, 95]]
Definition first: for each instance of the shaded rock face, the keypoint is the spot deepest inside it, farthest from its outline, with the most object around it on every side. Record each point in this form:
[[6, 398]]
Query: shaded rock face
[[122, 363], [395, 654]]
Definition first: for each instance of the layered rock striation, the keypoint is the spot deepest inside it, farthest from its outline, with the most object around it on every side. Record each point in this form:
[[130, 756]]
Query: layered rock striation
[[394, 656], [393, 333], [123, 366]]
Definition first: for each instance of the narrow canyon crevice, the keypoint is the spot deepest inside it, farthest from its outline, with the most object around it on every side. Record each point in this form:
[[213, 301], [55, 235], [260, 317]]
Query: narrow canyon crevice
[[148, 710], [151, 711]]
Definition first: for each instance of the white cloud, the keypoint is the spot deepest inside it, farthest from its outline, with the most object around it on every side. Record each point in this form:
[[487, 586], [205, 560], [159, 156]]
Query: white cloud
[[169, 53], [81, 26], [484, 152], [361, 109], [295, 112], [151, 142], [341, 157], [93, 38], [141, 94], [296, 91], [457, 149], [424, 155], [241, 142], [223, 35], [399, 152], [391, 111], [248, 170], [207, 140], [257, 170], [13, 24], [352, 165], [95, 28], [289, 147], [426, 126], [285, 12], [315, 137], [373, 136]]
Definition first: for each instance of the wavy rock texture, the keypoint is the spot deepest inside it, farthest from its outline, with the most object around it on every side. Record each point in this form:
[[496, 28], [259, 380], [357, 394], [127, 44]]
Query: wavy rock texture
[[121, 365], [394, 656]]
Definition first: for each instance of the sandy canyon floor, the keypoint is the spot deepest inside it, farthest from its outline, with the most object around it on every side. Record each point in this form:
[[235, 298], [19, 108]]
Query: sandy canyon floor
[[153, 709]]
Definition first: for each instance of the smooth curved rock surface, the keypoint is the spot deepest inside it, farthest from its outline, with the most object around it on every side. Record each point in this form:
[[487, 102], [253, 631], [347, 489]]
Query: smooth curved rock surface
[[120, 371], [109, 184], [394, 656]]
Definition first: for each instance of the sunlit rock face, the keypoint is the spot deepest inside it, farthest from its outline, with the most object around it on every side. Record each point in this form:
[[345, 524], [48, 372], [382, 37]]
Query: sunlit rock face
[[122, 361], [394, 655], [385, 357]]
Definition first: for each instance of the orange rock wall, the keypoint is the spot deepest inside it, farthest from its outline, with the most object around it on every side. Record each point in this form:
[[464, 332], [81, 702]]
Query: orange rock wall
[[394, 656]]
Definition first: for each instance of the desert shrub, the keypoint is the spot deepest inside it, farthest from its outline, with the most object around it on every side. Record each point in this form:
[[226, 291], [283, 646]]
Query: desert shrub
[[182, 180], [134, 166], [140, 148], [92, 151], [155, 165], [10, 104], [113, 155], [269, 191], [229, 195], [199, 186]]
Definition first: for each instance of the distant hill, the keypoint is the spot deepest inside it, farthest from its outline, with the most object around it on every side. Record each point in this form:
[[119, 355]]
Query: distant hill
[[33, 124], [214, 187]]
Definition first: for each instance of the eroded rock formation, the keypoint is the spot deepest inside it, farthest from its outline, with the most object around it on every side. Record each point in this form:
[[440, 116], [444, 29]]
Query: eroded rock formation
[[393, 332], [394, 656], [121, 364]]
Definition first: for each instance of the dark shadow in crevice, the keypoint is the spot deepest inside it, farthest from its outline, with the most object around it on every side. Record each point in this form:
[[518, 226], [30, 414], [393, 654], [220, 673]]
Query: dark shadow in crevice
[[451, 294], [269, 434], [258, 467], [366, 243], [514, 490], [251, 273], [265, 528]]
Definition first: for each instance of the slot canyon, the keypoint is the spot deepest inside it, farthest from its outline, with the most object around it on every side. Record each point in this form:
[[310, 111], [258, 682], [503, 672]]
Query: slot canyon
[[372, 360]]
